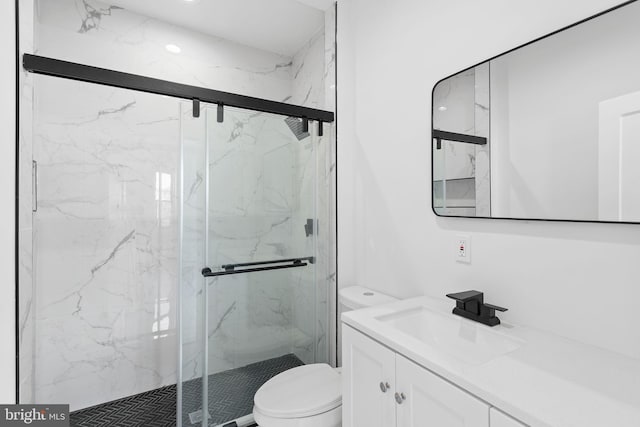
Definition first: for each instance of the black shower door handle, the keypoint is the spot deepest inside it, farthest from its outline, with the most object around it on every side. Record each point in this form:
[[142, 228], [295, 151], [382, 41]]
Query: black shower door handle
[[232, 268]]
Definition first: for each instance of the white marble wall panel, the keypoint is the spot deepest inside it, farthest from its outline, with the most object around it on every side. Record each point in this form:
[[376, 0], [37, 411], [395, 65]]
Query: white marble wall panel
[[94, 33], [308, 73]]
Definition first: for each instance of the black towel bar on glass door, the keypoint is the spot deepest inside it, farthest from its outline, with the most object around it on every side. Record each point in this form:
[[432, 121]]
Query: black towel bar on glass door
[[231, 268], [275, 261]]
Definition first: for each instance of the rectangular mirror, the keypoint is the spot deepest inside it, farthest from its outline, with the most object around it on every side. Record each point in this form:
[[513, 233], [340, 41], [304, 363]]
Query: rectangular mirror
[[547, 131]]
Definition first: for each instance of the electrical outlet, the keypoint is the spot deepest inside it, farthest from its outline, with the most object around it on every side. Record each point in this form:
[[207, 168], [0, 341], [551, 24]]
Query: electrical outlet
[[463, 248]]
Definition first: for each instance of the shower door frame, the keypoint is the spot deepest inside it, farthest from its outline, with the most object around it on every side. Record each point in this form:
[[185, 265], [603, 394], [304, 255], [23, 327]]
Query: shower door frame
[[74, 71]]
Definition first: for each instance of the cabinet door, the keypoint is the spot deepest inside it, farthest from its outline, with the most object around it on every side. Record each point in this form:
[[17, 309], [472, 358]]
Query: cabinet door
[[430, 401], [499, 419], [367, 368]]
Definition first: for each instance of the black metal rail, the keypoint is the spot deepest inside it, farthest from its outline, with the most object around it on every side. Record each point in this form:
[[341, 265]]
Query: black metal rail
[[85, 73], [275, 261], [440, 135], [231, 268]]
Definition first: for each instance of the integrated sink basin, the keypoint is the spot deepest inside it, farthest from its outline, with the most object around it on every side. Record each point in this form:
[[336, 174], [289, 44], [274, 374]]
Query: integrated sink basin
[[463, 339]]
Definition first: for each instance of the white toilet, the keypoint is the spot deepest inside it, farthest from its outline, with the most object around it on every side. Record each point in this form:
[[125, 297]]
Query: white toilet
[[310, 395]]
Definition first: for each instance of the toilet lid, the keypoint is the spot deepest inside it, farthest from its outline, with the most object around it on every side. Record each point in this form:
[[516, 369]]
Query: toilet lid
[[300, 392]]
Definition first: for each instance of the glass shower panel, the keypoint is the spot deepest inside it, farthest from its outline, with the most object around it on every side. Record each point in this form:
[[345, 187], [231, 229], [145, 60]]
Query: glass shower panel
[[261, 208], [105, 242], [193, 187]]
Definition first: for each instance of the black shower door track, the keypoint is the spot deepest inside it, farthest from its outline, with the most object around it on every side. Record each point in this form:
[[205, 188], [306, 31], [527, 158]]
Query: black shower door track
[[86, 73]]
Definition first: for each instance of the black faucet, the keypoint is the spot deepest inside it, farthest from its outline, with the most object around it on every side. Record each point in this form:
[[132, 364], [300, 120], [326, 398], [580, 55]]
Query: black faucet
[[470, 304]]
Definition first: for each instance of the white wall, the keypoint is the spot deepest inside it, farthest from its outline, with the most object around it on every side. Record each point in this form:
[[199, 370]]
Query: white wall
[[7, 194], [578, 280]]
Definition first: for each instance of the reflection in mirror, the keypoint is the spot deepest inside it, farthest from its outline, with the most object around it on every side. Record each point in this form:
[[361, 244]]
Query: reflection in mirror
[[461, 162], [560, 119]]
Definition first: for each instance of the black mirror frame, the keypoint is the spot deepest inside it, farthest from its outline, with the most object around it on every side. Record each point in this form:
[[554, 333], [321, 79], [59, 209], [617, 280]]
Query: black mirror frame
[[433, 208]]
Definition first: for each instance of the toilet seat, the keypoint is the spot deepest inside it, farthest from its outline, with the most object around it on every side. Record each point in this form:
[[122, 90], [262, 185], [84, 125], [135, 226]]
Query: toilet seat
[[333, 418], [300, 392]]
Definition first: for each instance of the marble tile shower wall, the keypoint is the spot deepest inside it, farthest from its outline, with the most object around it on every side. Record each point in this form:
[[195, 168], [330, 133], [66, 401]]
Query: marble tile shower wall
[[100, 311], [97, 34]]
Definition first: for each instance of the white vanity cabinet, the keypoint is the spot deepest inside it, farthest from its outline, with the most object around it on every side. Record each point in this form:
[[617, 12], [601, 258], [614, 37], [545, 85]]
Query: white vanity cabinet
[[499, 419], [385, 389], [445, 370]]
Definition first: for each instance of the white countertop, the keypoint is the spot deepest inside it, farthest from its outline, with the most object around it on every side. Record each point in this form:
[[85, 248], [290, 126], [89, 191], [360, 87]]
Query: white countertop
[[549, 381]]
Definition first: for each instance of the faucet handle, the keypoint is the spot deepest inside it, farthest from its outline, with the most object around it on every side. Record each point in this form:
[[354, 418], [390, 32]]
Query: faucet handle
[[495, 307], [467, 296]]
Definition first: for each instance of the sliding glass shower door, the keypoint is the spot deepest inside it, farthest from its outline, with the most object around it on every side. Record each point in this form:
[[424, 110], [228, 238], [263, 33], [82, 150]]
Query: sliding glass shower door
[[249, 288], [99, 263]]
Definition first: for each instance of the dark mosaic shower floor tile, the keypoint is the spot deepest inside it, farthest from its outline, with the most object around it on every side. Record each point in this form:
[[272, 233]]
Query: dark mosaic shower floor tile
[[231, 392], [230, 397], [155, 408]]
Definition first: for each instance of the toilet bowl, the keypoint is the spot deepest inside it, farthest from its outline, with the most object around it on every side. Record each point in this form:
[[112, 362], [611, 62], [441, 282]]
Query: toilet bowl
[[310, 395], [306, 396]]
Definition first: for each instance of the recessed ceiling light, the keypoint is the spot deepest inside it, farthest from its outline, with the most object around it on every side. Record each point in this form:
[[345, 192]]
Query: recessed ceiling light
[[173, 48], [442, 108]]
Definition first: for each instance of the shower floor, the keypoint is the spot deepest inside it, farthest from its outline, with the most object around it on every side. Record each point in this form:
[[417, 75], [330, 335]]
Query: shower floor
[[230, 397]]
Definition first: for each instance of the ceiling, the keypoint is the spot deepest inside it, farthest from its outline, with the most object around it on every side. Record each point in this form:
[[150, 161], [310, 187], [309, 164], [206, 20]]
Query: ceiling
[[280, 26]]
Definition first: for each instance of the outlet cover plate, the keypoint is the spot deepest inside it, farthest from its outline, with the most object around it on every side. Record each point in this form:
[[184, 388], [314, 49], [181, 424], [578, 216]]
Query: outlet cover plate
[[463, 248]]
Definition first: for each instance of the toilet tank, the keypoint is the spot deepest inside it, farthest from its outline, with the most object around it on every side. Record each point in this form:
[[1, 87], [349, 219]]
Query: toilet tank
[[353, 298]]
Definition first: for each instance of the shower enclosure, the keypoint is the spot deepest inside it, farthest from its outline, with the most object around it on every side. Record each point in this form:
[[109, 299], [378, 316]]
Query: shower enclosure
[[175, 249]]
